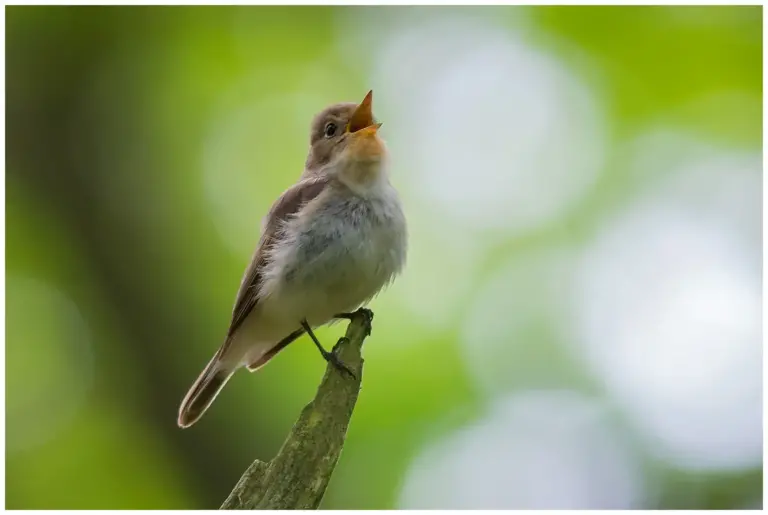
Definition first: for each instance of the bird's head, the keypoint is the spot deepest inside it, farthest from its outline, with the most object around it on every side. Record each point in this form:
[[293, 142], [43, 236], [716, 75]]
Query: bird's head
[[345, 135]]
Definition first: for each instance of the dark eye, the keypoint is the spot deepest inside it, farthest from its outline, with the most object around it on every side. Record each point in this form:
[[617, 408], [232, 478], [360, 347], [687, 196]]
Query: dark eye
[[330, 130]]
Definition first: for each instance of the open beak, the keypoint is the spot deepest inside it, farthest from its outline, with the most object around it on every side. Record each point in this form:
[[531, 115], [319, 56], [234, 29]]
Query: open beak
[[362, 118]]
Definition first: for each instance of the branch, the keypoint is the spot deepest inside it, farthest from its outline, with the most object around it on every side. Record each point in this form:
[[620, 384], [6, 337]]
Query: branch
[[297, 477]]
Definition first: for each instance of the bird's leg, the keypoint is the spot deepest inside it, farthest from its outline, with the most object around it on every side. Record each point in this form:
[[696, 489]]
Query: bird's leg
[[330, 357], [364, 311]]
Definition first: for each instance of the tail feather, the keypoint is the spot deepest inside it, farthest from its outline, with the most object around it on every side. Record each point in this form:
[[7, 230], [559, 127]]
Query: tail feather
[[203, 392]]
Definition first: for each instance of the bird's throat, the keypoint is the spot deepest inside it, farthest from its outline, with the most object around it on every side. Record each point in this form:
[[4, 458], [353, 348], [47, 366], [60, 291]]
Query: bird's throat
[[363, 177]]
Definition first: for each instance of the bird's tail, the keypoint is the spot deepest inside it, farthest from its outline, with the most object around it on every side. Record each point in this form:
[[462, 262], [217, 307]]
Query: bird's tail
[[204, 391]]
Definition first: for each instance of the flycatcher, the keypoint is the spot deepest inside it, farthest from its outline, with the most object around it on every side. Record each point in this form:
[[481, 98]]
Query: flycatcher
[[328, 245]]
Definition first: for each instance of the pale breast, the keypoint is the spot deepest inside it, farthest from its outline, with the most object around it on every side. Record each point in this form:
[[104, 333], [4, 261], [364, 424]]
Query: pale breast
[[345, 253]]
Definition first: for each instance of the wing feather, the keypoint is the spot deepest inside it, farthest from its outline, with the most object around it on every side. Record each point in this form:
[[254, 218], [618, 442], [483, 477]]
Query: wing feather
[[290, 203]]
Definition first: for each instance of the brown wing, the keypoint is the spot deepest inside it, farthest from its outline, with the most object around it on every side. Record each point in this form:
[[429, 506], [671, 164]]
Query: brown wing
[[287, 205]]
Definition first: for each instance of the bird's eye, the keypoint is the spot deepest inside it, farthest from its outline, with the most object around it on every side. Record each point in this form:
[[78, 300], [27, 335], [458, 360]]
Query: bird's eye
[[330, 130]]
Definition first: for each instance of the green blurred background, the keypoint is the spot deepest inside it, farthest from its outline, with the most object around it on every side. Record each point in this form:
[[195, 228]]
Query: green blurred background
[[579, 324]]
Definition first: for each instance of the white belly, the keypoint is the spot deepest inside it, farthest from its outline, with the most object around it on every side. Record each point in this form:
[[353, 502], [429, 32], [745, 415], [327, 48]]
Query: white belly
[[340, 258], [332, 263], [343, 257]]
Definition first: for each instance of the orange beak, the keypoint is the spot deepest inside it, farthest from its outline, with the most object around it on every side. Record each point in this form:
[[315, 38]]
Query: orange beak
[[362, 118], [364, 144]]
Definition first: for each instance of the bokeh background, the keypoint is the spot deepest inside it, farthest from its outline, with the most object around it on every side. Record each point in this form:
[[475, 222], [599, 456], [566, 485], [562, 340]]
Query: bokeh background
[[579, 324]]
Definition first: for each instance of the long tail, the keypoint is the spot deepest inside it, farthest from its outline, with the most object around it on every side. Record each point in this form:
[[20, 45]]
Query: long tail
[[204, 391]]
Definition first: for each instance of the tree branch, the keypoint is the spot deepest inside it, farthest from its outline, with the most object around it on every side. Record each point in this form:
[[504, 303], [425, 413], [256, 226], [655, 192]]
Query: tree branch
[[297, 477]]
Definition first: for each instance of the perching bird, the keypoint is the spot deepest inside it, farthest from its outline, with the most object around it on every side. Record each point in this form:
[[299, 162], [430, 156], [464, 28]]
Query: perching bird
[[329, 244]]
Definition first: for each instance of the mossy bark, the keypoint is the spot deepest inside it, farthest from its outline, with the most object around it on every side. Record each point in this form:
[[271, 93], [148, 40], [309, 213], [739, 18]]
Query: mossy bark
[[297, 477]]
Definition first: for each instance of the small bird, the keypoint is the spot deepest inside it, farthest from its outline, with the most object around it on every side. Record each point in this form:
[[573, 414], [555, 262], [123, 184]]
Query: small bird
[[328, 245]]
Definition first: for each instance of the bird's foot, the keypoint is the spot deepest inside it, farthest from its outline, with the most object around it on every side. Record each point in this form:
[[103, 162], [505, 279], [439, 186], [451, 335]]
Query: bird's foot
[[333, 358], [330, 357]]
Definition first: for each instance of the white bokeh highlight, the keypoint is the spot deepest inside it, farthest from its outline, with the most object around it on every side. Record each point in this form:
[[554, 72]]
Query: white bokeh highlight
[[667, 306], [490, 133], [532, 450], [491, 138]]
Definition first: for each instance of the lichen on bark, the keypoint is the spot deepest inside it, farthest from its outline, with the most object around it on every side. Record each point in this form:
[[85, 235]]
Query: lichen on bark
[[298, 476]]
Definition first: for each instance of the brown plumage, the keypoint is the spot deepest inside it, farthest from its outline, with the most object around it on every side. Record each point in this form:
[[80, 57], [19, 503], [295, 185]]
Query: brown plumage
[[342, 217]]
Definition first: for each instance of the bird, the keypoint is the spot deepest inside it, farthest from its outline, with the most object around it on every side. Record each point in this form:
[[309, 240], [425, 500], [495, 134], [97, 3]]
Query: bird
[[328, 245]]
